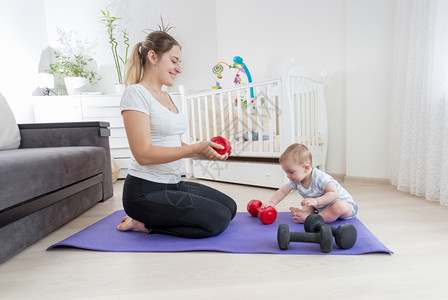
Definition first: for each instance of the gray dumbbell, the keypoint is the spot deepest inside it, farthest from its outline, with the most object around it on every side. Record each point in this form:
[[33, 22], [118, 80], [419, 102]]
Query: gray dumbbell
[[345, 235], [324, 237]]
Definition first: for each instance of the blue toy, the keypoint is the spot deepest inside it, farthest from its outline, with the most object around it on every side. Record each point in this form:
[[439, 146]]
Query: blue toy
[[238, 64], [237, 60]]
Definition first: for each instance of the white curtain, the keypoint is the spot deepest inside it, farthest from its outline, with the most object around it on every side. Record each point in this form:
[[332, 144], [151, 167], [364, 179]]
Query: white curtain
[[419, 143]]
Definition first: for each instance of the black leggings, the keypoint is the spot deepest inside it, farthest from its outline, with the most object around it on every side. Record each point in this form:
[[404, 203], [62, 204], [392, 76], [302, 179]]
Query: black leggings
[[186, 209]]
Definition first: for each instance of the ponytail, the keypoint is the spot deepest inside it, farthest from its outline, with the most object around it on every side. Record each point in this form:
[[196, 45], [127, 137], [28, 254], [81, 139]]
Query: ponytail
[[134, 67]]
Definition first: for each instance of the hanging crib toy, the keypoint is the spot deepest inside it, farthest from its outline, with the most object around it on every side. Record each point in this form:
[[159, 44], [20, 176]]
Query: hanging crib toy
[[241, 67]]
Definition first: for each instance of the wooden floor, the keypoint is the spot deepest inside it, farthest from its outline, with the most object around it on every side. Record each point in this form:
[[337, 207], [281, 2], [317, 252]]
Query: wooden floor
[[414, 228]]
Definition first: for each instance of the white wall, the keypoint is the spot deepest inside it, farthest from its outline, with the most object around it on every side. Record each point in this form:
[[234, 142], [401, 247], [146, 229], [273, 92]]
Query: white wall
[[370, 28], [352, 39], [24, 36]]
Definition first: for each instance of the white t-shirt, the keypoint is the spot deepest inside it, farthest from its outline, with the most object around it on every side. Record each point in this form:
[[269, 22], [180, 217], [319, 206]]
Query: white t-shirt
[[166, 130]]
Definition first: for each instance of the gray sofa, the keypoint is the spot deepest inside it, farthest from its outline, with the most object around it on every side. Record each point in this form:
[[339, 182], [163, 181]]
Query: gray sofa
[[59, 171]]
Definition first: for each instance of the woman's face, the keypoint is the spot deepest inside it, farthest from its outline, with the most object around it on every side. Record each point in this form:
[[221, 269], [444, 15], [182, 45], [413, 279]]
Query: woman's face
[[168, 66]]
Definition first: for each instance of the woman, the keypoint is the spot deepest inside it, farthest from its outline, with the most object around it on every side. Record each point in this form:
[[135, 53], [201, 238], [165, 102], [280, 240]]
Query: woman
[[154, 197]]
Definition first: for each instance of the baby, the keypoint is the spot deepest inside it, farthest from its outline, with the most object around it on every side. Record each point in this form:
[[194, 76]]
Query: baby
[[321, 193]]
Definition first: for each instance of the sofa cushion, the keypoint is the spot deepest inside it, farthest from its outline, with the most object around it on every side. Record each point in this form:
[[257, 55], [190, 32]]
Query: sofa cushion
[[44, 170], [9, 131]]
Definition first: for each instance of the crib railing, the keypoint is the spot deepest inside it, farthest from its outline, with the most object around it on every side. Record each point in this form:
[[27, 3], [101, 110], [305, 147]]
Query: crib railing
[[306, 111], [251, 124], [283, 111], [304, 102]]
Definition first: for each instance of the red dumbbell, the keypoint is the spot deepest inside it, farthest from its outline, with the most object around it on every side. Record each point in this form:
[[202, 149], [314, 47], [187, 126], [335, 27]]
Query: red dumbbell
[[224, 142], [266, 215]]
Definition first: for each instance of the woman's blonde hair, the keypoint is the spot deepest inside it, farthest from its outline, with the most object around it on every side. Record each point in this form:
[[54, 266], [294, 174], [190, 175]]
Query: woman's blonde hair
[[158, 41], [299, 153]]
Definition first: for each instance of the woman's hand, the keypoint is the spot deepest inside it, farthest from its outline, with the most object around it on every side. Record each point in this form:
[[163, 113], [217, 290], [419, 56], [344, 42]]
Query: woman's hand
[[207, 149]]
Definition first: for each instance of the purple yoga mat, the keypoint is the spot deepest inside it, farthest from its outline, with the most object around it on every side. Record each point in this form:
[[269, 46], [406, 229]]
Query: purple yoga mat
[[245, 234]]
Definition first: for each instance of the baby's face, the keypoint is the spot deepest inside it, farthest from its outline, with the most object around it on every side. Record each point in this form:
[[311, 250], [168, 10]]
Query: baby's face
[[295, 172]]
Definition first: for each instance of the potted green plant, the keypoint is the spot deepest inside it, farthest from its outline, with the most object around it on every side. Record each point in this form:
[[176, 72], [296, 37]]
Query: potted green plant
[[120, 61], [72, 62]]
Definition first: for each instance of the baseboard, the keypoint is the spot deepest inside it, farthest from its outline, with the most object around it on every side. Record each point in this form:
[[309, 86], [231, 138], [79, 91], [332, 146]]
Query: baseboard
[[357, 179], [344, 178], [338, 177]]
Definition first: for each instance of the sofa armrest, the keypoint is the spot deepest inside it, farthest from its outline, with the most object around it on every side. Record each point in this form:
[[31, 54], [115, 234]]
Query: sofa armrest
[[40, 135]]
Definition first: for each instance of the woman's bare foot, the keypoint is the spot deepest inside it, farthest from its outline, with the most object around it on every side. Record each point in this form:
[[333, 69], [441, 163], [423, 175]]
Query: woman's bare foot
[[129, 224], [299, 215]]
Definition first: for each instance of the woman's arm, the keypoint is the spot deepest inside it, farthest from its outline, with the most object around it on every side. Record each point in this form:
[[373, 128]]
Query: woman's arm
[[138, 131]]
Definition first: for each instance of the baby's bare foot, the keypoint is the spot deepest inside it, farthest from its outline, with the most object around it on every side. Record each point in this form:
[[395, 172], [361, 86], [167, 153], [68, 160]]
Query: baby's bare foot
[[129, 224], [298, 215]]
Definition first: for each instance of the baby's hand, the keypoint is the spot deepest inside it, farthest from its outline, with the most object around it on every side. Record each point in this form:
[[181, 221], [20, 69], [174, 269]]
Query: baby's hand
[[267, 204], [309, 202]]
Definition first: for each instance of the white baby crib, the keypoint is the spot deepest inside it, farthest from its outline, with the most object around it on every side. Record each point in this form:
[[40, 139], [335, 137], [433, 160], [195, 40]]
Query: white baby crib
[[260, 119]]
